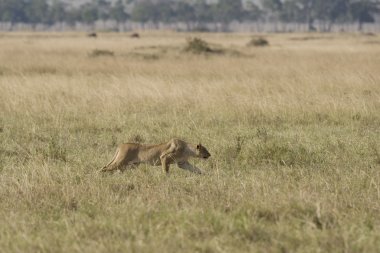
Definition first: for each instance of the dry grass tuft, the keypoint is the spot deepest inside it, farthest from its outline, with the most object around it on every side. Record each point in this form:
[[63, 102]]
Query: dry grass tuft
[[99, 52]]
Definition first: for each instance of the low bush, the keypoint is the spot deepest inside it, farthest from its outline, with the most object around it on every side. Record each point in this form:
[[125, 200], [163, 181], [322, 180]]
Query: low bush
[[258, 42], [199, 46]]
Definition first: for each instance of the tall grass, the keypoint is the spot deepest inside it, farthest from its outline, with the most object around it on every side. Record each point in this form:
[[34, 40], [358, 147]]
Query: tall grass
[[293, 130]]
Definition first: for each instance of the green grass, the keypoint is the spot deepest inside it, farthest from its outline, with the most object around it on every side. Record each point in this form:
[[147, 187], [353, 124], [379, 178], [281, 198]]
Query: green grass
[[293, 132]]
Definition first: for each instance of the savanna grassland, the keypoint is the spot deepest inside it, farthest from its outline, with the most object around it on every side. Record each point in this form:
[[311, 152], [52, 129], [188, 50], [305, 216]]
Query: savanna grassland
[[293, 129]]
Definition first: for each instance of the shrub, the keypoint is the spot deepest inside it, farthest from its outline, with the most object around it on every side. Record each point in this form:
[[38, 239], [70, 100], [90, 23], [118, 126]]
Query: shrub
[[258, 42], [92, 35], [135, 35], [199, 46]]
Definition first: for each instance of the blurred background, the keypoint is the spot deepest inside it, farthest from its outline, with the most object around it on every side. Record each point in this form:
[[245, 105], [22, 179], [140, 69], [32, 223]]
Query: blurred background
[[191, 15]]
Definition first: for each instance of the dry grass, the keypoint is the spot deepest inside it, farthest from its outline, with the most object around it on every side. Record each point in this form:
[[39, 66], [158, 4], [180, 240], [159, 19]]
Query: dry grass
[[293, 130]]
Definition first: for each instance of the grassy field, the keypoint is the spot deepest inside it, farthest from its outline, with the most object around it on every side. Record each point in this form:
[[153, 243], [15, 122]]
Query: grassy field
[[293, 129]]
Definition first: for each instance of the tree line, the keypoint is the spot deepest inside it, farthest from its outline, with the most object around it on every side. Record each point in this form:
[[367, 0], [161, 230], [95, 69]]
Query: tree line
[[192, 13]]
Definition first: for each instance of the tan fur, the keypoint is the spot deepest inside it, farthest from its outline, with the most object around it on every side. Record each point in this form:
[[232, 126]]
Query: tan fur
[[175, 151]]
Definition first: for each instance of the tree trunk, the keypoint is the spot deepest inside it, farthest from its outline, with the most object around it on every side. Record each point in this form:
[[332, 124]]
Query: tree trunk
[[329, 26], [310, 25], [360, 25], [224, 26]]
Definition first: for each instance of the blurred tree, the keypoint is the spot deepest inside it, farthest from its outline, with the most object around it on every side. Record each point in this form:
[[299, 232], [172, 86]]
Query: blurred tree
[[185, 13], [273, 9], [331, 11], [36, 12], [202, 12], [291, 12], [145, 11], [363, 11], [73, 15], [89, 13], [253, 12], [229, 10], [164, 12], [12, 11], [307, 12], [226, 11], [57, 12], [117, 12], [103, 8]]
